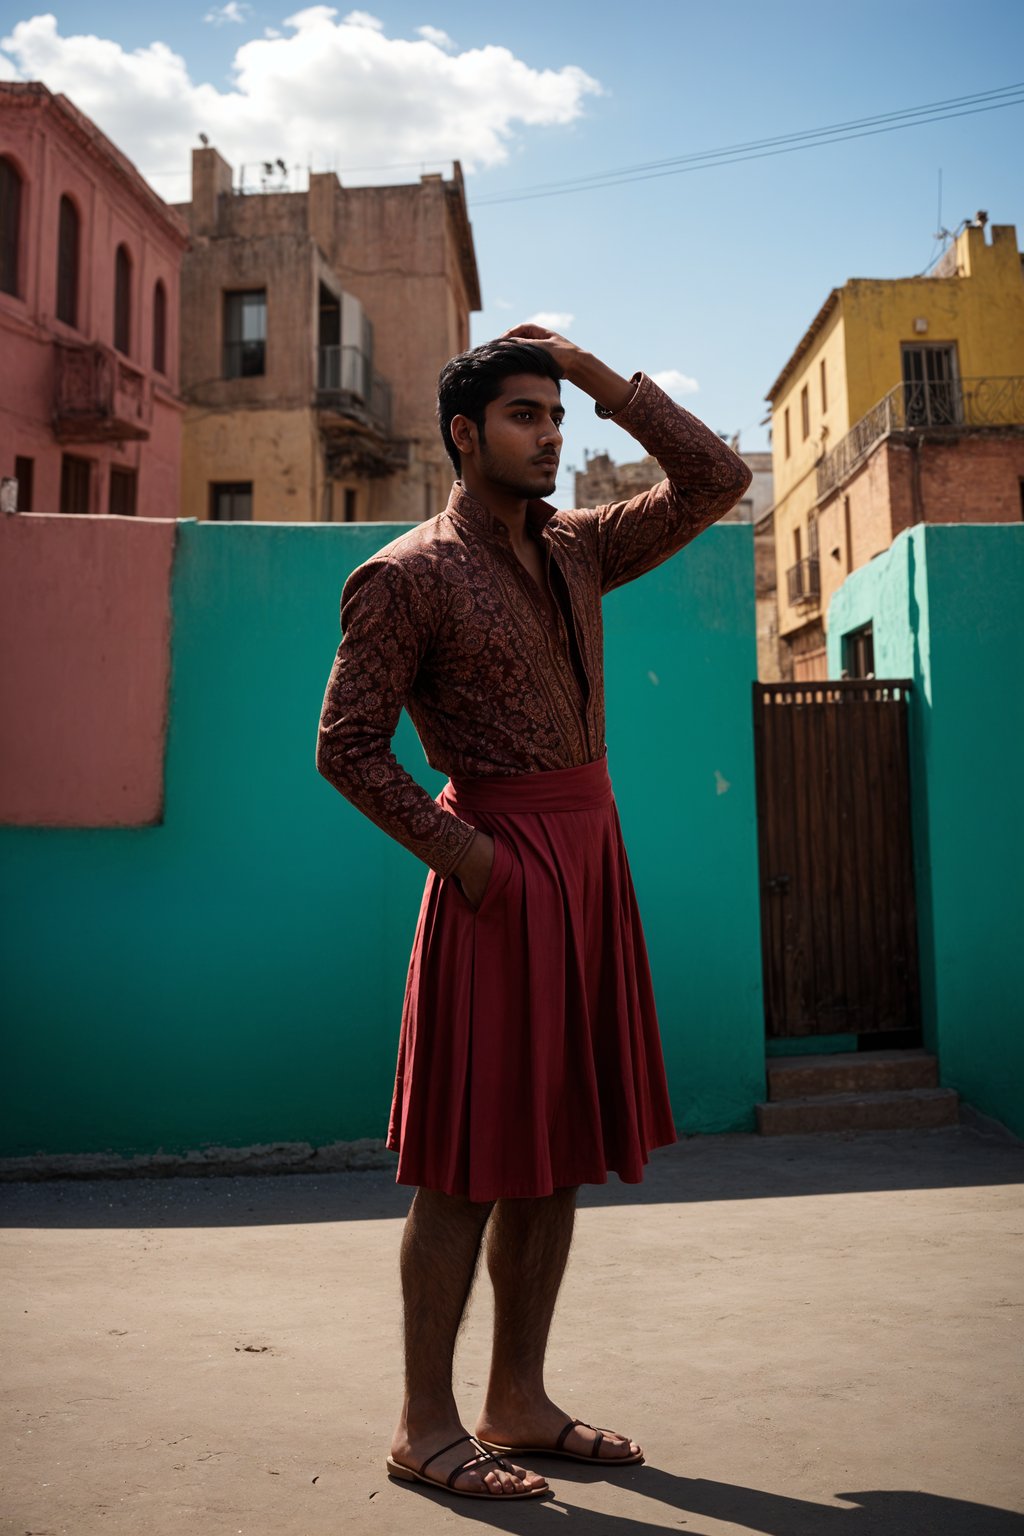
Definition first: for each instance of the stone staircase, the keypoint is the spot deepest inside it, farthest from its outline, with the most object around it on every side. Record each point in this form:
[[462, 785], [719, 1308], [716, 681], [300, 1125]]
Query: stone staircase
[[855, 1091]]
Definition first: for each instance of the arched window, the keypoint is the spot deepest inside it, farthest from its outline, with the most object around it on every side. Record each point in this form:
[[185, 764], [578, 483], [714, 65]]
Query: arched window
[[123, 300], [160, 327], [10, 226], [67, 262]]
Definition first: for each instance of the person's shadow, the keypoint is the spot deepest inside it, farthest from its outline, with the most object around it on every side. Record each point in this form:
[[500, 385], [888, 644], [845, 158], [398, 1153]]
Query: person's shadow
[[874, 1512]]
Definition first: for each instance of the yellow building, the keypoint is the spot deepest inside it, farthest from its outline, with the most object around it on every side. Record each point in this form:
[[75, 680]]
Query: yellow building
[[903, 402]]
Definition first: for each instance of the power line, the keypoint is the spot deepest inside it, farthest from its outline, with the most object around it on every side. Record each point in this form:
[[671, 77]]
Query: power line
[[972, 98], [761, 149]]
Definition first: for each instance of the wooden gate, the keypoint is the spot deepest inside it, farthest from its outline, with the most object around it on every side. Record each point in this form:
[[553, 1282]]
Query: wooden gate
[[838, 921]]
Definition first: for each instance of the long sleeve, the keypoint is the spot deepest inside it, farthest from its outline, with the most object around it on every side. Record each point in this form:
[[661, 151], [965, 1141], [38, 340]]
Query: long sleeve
[[386, 627], [704, 479]]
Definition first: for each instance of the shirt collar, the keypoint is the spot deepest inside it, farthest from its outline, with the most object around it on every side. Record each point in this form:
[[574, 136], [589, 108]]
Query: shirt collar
[[465, 508]]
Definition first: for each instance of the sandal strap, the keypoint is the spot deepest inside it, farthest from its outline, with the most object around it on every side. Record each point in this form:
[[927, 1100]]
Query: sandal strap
[[444, 1448], [472, 1462], [572, 1424], [567, 1429]]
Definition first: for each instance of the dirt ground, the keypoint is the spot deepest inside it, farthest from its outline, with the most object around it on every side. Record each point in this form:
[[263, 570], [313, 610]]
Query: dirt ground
[[811, 1336]]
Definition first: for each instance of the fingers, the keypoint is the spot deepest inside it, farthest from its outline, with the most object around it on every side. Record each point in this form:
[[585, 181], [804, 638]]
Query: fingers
[[538, 333], [527, 332]]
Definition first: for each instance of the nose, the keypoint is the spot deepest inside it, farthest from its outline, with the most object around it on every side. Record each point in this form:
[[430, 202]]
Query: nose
[[552, 434]]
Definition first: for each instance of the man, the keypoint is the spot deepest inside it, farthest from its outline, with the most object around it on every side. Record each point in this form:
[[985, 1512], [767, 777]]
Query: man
[[529, 1060]]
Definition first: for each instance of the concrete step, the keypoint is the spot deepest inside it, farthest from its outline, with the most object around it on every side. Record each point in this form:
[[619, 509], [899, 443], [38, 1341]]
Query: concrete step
[[908, 1109], [806, 1077]]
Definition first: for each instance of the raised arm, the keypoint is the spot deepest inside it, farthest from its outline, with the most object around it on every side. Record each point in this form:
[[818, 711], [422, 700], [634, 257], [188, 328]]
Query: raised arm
[[704, 477], [387, 627]]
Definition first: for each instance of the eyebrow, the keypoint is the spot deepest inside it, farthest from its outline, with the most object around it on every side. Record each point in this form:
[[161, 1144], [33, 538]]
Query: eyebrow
[[537, 405]]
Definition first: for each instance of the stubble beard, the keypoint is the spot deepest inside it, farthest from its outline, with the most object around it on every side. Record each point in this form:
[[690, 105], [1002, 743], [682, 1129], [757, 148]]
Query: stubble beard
[[508, 479]]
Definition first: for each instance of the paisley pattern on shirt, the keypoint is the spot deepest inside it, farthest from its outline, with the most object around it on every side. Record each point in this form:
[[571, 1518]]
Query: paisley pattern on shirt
[[446, 622]]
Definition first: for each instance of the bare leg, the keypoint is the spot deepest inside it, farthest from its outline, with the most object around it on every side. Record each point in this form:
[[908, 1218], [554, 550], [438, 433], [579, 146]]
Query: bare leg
[[440, 1248], [527, 1248]]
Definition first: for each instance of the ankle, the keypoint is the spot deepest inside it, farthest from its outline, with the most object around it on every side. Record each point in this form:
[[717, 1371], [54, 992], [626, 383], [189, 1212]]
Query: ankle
[[515, 1395], [429, 1413]]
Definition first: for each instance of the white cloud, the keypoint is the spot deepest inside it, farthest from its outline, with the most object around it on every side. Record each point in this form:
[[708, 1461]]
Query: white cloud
[[436, 36], [233, 10], [353, 19], [675, 383], [327, 94], [555, 320]]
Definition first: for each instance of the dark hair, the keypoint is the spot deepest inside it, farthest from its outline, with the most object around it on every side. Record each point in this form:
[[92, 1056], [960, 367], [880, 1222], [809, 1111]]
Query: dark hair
[[469, 382]]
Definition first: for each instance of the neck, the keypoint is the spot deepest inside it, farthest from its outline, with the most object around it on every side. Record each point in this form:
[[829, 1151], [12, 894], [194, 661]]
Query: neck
[[501, 503]]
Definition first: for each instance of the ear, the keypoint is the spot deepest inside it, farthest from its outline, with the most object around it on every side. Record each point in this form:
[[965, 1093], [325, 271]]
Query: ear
[[464, 435]]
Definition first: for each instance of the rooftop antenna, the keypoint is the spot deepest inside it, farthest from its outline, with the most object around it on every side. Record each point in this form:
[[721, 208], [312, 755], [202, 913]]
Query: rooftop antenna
[[942, 233]]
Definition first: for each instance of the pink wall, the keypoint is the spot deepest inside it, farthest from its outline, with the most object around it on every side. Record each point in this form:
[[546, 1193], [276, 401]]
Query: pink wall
[[85, 618], [59, 152]]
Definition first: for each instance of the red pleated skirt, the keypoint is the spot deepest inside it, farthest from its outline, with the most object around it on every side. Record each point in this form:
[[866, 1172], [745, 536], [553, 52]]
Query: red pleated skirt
[[529, 1056]]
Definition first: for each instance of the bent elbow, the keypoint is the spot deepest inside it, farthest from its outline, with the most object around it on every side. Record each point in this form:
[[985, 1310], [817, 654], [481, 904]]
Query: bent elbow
[[744, 476]]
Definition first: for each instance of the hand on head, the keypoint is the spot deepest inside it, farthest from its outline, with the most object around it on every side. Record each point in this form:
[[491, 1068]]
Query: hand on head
[[561, 350]]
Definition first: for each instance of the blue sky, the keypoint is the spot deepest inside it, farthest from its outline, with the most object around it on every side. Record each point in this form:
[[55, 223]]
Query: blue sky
[[712, 275]]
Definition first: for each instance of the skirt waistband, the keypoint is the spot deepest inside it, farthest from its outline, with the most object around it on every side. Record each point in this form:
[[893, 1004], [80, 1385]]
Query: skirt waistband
[[585, 788]]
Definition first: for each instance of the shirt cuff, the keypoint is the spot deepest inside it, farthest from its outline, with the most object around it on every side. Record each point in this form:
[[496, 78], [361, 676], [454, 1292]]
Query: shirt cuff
[[606, 413]]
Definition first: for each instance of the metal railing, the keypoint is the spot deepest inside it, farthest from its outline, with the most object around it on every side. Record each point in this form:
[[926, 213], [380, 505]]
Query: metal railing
[[345, 368], [344, 376], [803, 580], [951, 404], [99, 396]]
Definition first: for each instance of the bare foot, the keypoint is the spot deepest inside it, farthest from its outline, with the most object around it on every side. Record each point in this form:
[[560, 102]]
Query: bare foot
[[540, 1424], [413, 1450]]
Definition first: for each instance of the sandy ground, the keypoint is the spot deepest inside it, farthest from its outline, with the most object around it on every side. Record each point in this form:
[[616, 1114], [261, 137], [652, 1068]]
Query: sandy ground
[[812, 1336]]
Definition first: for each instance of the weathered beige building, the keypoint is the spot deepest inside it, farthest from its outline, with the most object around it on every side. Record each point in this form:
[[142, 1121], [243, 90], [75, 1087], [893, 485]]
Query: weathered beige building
[[314, 325], [602, 481]]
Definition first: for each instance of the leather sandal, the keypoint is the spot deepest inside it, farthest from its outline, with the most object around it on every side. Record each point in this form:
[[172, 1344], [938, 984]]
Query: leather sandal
[[558, 1449], [485, 1458]]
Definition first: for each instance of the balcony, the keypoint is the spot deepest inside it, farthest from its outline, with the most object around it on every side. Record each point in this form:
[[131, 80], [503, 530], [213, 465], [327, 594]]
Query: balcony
[[354, 406], [99, 397], [945, 406], [803, 581]]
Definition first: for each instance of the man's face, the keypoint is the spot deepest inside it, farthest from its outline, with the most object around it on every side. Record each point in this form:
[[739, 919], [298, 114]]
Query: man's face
[[521, 443]]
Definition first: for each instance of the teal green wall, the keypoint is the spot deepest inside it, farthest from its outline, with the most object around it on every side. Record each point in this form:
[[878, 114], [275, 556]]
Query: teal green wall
[[235, 975], [947, 607], [681, 656]]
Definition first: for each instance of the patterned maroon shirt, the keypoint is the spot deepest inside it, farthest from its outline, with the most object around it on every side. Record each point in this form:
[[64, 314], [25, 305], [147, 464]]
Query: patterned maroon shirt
[[498, 676]]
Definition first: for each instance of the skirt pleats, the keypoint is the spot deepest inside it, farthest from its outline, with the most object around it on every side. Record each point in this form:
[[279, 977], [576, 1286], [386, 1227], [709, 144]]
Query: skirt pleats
[[529, 1056]]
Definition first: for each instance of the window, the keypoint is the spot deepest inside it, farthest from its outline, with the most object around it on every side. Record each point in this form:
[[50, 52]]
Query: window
[[123, 300], [931, 395], [231, 503], [824, 387], [797, 551], [805, 413], [160, 328], [859, 652], [23, 473], [10, 226], [67, 262], [245, 334], [812, 535], [75, 484], [123, 483], [351, 503], [785, 422], [329, 328]]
